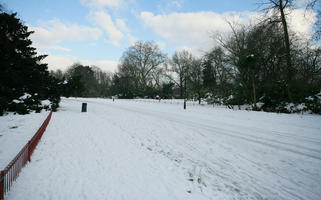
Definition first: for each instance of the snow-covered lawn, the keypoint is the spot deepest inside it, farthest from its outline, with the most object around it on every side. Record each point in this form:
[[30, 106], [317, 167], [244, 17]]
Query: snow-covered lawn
[[140, 150], [15, 132]]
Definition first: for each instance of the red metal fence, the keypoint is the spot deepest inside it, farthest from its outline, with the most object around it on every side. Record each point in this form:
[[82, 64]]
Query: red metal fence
[[10, 173]]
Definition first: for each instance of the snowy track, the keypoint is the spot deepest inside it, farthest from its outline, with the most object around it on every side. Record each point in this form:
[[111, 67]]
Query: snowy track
[[135, 150]]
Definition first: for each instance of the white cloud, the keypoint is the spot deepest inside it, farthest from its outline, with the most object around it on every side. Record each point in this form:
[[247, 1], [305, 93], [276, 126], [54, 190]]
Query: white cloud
[[301, 21], [168, 6], [53, 32], [177, 4], [132, 39], [55, 47], [105, 65], [195, 50], [193, 30], [115, 28], [122, 25], [190, 29], [62, 62], [161, 45], [301, 3], [104, 3], [103, 19]]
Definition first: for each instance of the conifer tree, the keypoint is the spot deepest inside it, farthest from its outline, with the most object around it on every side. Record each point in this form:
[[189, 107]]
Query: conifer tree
[[22, 73]]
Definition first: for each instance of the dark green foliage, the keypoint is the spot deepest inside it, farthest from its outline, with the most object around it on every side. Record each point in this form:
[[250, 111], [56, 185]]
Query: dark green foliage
[[121, 87], [209, 75], [77, 76], [84, 81], [21, 69], [167, 90], [313, 103]]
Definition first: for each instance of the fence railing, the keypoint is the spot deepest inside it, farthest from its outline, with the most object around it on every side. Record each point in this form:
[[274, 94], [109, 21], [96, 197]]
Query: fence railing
[[11, 172]]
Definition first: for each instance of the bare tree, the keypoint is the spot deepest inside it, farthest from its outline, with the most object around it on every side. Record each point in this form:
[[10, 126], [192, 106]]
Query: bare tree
[[195, 78], [142, 62], [180, 65], [281, 6]]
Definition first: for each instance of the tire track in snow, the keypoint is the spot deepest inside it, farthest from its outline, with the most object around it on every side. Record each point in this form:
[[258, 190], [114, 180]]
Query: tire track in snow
[[227, 132], [229, 172]]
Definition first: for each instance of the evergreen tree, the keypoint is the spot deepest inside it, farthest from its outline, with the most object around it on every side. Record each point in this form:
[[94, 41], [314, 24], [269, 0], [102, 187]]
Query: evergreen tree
[[24, 80]]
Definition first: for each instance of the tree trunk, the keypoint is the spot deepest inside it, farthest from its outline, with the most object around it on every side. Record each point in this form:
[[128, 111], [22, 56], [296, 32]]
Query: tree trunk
[[287, 49], [181, 87], [254, 92]]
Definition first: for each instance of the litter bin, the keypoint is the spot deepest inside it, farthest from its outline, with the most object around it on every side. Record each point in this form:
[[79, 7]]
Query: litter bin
[[84, 107]]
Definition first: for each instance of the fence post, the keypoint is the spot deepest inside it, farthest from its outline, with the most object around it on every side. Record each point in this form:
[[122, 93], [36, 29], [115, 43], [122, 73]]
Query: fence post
[[29, 150], [2, 185]]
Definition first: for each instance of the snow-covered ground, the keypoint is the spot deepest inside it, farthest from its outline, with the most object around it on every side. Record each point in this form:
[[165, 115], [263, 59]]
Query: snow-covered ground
[[15, 132], [140, 150]]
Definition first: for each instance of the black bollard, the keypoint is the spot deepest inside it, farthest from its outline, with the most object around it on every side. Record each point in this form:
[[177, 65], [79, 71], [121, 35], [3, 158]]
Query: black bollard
[[84, 107]]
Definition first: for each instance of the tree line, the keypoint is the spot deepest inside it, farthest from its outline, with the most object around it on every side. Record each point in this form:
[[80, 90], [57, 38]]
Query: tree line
[[265, 65], [83, 81]]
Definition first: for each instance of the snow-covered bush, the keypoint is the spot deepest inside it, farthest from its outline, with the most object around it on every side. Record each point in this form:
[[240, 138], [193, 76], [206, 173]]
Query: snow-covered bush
[[313, 103], [25, 103]]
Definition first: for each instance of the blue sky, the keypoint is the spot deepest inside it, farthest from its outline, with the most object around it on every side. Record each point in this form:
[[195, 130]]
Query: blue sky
[[97, 32]]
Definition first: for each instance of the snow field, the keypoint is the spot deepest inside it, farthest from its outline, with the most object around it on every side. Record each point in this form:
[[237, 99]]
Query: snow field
[[76, 160], [140, 150], [15, 132]]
